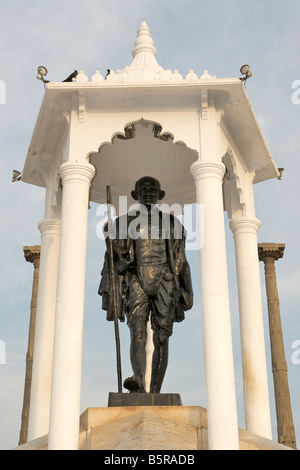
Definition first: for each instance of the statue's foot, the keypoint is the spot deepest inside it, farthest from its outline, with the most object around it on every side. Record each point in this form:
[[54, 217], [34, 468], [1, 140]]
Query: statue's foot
[[134, 385]]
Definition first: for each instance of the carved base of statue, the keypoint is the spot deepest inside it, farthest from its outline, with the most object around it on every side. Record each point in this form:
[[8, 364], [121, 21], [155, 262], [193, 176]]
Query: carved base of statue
[[144, 399]]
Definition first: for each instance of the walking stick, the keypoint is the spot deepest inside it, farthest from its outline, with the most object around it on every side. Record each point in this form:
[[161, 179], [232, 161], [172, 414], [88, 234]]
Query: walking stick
[[113, 283]]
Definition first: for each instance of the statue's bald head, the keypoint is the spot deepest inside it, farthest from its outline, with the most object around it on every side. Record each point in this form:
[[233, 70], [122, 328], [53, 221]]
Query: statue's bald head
[[147, 180], [147, 190]]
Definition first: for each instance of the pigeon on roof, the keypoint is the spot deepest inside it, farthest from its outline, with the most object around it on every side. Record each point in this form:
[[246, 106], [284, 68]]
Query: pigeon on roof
[[70, 77]]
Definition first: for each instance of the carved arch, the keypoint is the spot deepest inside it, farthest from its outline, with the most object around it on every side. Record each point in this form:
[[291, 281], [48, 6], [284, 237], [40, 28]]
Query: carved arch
[[143, 148], [234, 190]]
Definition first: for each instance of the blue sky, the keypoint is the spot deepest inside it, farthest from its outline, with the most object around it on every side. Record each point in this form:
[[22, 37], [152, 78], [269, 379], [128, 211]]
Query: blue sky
[[94, 35]]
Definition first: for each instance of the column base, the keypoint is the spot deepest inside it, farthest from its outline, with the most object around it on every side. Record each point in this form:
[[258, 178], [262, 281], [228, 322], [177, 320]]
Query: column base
[[144, 399]]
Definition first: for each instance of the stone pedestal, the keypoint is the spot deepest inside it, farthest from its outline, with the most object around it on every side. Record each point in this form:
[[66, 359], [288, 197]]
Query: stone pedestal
[[144, 428], [160, 428], [144, 399]]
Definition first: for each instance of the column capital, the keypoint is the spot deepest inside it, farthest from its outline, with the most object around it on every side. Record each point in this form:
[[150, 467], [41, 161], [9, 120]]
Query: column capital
[[244, 225], [207, 169], [270, 250], [82, 172], [32, 253], [49, 226]]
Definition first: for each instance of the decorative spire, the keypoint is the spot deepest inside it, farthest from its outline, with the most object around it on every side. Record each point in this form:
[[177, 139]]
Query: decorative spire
[[144, 52], [144, 66]]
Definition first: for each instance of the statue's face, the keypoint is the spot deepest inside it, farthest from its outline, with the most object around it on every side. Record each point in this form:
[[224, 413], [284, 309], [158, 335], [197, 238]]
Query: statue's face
[[148, 191]]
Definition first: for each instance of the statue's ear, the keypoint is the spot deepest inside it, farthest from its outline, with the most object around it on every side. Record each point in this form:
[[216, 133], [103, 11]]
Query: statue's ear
[[134, 195], [161, 195]]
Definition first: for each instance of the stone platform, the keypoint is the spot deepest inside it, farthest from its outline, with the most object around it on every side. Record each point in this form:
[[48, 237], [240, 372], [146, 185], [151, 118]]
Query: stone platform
[[150, 428]]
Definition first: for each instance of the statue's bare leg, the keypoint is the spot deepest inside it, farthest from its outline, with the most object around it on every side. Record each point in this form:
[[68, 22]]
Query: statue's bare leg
[[159, 361], [138, 333]]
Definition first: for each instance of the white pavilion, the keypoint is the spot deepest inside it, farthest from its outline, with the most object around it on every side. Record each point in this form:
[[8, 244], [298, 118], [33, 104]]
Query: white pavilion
[[199, 136]]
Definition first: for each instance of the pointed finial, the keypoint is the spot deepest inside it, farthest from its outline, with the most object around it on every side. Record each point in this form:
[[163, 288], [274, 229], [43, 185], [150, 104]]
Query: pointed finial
[[144, 42], [144, 66]]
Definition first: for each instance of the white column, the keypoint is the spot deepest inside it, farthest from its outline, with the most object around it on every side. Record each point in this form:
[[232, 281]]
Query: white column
[[38, 423], [256, 395], [67, 357], [218, 355]]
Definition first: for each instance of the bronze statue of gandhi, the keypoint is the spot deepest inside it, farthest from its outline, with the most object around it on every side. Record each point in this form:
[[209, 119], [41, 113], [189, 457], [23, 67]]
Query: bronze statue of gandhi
[[153, 280]]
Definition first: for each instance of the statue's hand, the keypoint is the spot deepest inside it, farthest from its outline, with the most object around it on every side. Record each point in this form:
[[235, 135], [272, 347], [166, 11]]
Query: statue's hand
[[108, 229], [124, 258], [123, 262], [185, 300]]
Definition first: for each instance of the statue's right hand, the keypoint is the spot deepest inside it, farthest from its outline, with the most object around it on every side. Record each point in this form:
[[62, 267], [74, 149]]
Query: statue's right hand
[[125, 256], [123, 262], [108, 229]]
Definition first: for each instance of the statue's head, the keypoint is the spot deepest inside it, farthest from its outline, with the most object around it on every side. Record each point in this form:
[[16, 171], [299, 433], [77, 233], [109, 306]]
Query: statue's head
[[147, 191]]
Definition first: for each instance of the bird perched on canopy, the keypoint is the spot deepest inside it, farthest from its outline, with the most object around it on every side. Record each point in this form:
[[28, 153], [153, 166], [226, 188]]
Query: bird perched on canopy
[[70, 77]]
